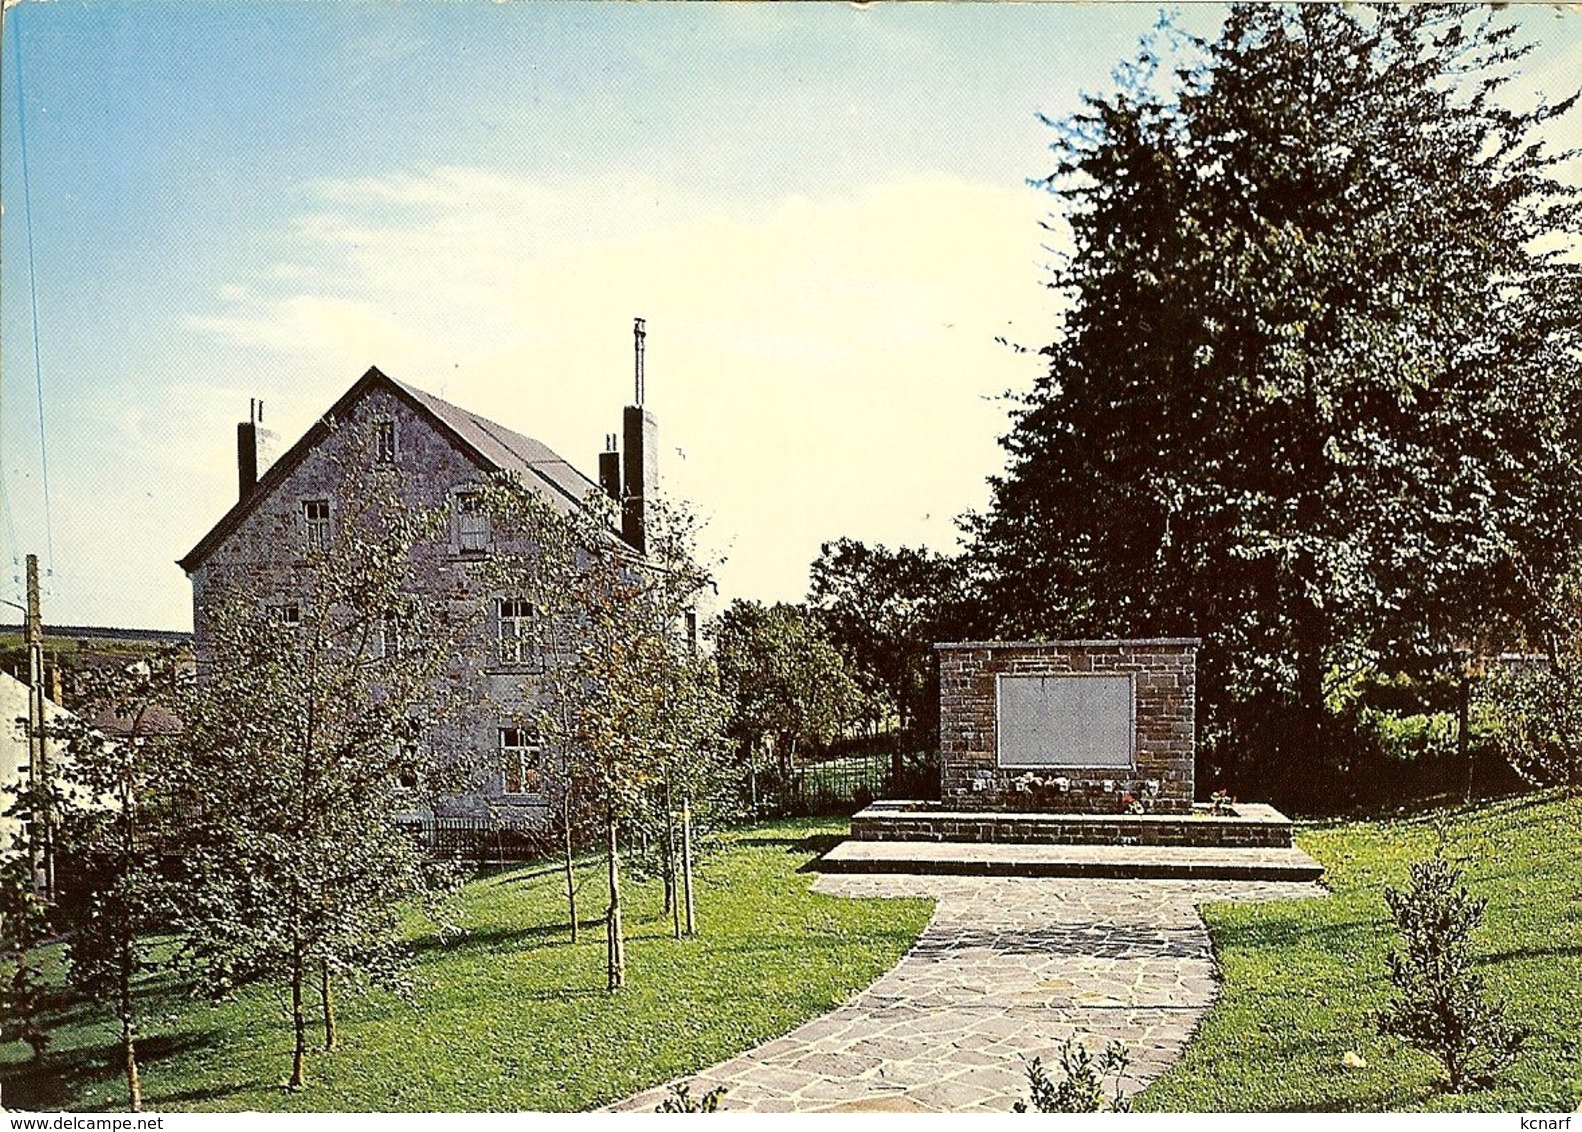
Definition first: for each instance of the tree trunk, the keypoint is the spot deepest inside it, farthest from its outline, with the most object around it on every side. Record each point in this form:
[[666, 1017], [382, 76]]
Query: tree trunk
[[686, 863], [299, 1023], [1463, 704], [328, 1001], [672, 905], [571, 883], [752, 776], [134, 1087], [1310, 758], [615, 946]]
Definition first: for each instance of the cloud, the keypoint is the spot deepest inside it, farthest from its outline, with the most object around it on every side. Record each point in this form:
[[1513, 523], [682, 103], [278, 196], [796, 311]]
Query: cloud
[[827, 364]]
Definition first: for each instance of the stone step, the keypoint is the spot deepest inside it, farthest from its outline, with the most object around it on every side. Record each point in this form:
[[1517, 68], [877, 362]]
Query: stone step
[[956, 858], [1252, 825]]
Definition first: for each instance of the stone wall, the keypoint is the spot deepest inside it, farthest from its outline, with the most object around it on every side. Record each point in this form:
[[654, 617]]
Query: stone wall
[[265, 559], [1160, 775]]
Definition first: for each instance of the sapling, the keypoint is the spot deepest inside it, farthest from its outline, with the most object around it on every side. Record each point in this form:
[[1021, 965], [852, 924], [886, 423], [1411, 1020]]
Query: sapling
[[1439, 1004]]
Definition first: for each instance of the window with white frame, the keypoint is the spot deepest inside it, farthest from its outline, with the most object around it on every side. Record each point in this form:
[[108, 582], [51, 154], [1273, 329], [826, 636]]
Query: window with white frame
[[385, 442], [386, 638], [521, 758], [514, 631], [316, 513], [288, 613], [472, 523]]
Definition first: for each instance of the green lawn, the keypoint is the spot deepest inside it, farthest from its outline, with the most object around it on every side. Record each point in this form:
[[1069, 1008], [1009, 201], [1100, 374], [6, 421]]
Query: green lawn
[[513, 1016], [1302, 979]]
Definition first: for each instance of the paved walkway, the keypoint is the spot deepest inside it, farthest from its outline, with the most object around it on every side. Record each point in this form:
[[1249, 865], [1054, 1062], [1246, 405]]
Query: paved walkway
[[1007, 967]]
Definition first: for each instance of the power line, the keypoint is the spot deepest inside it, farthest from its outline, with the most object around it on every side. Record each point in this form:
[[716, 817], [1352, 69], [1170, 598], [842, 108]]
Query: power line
[[32, 287], [14, 578]]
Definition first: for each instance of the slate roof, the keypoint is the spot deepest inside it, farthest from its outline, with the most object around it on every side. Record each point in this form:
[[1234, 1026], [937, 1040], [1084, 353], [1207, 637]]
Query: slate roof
[[491, 446]]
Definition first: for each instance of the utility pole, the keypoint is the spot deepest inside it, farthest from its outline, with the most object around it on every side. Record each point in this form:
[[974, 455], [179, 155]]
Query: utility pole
[[43, 819]]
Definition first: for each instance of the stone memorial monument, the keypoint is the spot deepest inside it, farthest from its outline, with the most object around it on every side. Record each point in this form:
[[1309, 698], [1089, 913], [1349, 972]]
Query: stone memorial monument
[[1091, 727], [1065, 758]]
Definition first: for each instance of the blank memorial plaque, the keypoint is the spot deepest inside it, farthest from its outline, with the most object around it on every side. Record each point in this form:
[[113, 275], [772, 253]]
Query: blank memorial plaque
[[1075, 721]]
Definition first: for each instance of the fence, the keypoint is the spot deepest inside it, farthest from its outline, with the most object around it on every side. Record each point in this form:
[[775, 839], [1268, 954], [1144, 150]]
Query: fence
[[841, 786], [484, 841]]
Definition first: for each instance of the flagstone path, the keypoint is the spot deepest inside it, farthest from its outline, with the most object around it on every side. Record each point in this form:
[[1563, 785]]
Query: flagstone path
[[1008, 967]]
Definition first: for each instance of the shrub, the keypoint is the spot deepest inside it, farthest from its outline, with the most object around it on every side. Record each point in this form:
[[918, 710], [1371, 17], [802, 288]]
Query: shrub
[[1439, 1005], [1534, 712], [680, 1099], [1081, 1088]]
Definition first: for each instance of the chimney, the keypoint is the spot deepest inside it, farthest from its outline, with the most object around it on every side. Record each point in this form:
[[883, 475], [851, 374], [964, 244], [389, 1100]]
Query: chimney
[[610, 468], [254, 448], [247, 451], [641, 464]]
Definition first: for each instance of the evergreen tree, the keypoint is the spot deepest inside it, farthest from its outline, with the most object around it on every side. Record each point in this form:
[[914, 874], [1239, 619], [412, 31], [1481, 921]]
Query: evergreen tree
[[1313, 394]]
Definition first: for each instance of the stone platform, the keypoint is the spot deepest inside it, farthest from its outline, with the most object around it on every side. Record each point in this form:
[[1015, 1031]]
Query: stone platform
[[1252, 843], [1250, 825], [1001, 859]]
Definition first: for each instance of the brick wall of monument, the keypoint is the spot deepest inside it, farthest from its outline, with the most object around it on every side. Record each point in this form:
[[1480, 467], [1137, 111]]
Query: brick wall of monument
[[1160, 777]]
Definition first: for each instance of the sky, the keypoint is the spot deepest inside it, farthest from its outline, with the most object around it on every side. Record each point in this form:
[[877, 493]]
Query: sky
[[822, 211]]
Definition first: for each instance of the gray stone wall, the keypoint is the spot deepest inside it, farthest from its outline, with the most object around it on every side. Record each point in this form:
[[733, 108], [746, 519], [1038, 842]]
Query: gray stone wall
[[265, 558], [1160, 777]]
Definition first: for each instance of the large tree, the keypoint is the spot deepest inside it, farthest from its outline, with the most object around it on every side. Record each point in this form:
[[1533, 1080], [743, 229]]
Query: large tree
[[786, 683], [885, 610], [1312, 398]]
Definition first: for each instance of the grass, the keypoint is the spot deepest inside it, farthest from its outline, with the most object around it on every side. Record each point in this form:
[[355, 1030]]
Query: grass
[[513, 1016], [1303, 980]]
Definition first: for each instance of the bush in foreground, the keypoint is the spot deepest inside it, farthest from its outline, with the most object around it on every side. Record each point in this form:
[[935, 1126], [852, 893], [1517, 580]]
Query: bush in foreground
[[1440, 1005]]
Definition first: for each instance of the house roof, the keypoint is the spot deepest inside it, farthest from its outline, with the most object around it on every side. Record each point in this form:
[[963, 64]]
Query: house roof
[[493, 447]]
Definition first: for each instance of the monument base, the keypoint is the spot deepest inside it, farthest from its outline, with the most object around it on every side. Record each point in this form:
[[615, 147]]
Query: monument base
[[1246, 826], [1253, 842]]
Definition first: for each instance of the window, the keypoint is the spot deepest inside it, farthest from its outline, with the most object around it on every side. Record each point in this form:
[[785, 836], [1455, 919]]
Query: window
[[288, 613], [386, 638], [317, 514], [519, 754], [472, 524], [384, 442], [408, 754], [692, 629], [514, 620]]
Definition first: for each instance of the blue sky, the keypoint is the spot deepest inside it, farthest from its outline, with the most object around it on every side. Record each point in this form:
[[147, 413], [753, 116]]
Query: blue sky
[[821, 210]]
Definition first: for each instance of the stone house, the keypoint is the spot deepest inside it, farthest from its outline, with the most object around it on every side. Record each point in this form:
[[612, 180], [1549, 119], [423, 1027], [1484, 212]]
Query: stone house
[[441, 455]]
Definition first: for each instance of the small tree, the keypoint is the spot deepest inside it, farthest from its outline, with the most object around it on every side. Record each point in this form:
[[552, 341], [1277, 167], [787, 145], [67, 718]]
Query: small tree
[[306, 722], [1081, 1084], [123, 751], [1532, 706], [626, 707], [1439, 1005], [25, 927]]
